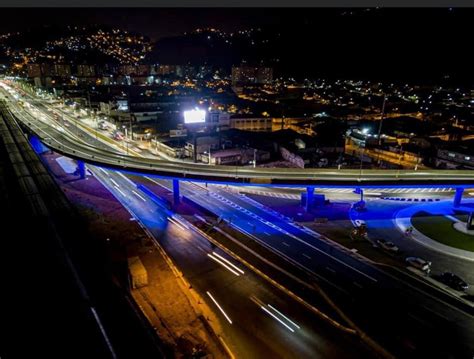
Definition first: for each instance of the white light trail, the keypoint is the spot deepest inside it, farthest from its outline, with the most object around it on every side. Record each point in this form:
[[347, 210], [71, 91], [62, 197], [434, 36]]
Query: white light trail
[[115, 183], [223, 264], [103, 171], [229, 262], [281, 314], [279, 320], [172, 220], [118, 189], [126, 178], [218, 306], [178, 220], [139, 196]]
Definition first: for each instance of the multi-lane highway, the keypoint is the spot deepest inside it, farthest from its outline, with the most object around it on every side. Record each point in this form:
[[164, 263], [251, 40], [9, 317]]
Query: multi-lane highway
[[257, 319], [406, 295], [61, 141], [418, 309]]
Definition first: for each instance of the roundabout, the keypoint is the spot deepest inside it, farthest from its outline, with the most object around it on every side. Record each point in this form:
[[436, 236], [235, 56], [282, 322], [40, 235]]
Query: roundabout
[[440, 227]]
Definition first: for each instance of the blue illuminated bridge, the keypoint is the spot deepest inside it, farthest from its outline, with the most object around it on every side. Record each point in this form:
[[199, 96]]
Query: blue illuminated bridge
[[65, 143]]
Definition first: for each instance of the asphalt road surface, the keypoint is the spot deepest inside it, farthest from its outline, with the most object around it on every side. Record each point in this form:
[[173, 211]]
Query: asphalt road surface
[[254, 332]]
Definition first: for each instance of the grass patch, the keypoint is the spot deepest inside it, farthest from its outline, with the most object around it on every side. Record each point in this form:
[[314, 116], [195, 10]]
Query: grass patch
[[440, 228]]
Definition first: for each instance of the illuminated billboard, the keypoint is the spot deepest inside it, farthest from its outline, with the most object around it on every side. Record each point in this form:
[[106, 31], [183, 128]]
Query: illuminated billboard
[[195, 116]]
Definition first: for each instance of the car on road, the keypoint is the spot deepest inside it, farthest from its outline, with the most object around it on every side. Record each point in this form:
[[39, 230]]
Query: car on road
[[419, 263], [118, 136], [359, 223], [387, 246], [453, 281], [103, 125]]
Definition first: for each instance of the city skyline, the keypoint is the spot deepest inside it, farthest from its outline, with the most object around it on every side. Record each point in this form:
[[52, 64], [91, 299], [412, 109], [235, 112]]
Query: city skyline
[[407, 42]]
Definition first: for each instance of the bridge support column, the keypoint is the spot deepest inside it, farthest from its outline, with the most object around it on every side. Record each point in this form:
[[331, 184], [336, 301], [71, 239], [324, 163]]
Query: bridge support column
[[37, 145], [81, 169], [309, 198], [458, 197], [176, 191]]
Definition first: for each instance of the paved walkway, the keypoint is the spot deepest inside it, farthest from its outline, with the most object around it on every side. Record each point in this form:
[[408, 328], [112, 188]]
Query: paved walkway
[[402, 220]]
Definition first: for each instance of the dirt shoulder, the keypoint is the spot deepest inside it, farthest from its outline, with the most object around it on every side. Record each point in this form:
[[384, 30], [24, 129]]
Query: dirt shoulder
[[173, 310]]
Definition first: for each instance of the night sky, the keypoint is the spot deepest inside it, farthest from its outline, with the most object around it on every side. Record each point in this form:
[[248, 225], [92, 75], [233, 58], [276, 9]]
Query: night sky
[[159, 23], [156, 23], [398, 42]]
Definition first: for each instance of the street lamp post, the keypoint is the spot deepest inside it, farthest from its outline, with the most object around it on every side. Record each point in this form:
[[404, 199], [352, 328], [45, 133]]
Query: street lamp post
[[381, 120], [126, 137], [96, 127]]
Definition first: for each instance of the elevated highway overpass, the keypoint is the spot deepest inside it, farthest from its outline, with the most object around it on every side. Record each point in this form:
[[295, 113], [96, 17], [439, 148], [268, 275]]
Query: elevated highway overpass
[[61, 141]]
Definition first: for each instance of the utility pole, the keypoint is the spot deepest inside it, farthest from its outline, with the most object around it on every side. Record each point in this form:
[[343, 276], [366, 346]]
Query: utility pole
[[194, 147], [89, 100], [254, 157], [381, 119], [361, 158]]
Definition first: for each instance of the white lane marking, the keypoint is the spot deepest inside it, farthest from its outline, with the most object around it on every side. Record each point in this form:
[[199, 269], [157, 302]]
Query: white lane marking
[[220, 308], [120, 191], [139, 196], [115, 183], [305, 255], [286, 244], [228, 262], [284, 316], [152, 180], [104, 334], [278, 319], [301, 241], [223, 264], [266, 233]]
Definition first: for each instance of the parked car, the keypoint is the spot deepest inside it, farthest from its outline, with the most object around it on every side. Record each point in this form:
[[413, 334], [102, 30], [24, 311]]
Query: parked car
[[388, 246], [453, 281], [419, 263]]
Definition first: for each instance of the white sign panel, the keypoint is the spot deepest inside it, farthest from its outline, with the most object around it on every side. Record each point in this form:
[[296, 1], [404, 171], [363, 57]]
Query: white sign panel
[[195, 116]]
